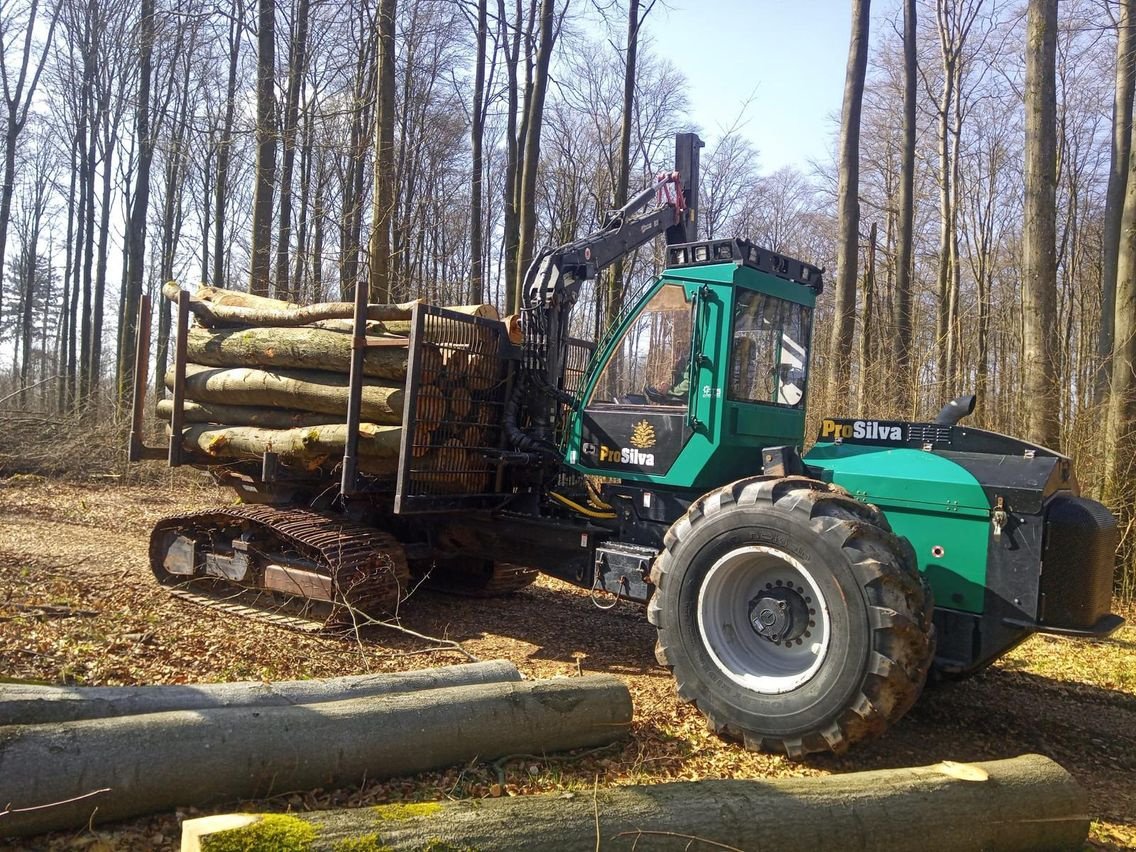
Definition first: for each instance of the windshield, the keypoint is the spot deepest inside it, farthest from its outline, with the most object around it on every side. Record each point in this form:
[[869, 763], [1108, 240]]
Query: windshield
[[770, 350], [651, 363]]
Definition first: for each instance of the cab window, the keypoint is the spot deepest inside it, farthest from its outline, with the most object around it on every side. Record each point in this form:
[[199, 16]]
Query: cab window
[[770, 350], [651, 363]]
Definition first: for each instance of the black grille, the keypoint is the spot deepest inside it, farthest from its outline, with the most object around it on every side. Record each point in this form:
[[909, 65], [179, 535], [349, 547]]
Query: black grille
[[455, 396], [1078, 559], [928, 433]]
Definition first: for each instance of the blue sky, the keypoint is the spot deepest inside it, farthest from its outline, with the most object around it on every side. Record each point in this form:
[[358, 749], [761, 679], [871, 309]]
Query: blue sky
[[789, 54]]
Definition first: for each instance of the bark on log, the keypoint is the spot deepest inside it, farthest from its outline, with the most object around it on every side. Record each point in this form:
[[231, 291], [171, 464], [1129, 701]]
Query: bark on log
[[25, 704], [346, 326], [310, 390], [1024, 803], [236, 298], [217, 315], [159, 761], [312, 444], [398, 325], [247, 415], [267, 348]]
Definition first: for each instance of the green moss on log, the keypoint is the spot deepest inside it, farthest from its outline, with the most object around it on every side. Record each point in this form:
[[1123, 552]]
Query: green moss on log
[[412, 810], [270, 833]]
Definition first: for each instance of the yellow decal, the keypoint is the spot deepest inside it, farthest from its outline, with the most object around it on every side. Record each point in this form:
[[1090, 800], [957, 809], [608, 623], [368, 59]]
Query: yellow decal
[[642, 435], [861, 430]]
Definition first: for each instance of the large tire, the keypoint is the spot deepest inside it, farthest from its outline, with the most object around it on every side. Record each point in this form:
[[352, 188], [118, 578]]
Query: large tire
[[807, 562]]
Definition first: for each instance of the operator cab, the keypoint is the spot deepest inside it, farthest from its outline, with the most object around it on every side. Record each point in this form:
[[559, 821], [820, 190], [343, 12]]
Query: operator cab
[[707, 368]]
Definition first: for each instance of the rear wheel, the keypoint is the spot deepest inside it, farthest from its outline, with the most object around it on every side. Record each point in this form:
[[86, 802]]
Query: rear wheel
[[791, 616]]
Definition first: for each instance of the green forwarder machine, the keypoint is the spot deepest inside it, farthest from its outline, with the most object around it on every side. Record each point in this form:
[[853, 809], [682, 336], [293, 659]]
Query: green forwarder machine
[[800, 601]]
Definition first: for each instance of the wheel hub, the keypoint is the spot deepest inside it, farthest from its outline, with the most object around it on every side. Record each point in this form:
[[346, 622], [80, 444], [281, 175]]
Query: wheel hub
[[763, 620], [779, 614]]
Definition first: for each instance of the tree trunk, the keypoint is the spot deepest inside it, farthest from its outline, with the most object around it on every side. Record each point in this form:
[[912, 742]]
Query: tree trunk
[[155, 762], [904, 290], [1039, 268], [1117, 180], [22, 704], [384, 192], [269, 348], [863, 400], [136, 242], [297, 68], [224, 153], [848, 209], [993, 805], [1120, 433], [510, 235], [534, 122], [309, 390], [260, 267], [623, 176], [477, 133]]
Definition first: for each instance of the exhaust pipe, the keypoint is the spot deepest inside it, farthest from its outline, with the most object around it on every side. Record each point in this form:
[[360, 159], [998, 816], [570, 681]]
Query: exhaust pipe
[[955, 410]]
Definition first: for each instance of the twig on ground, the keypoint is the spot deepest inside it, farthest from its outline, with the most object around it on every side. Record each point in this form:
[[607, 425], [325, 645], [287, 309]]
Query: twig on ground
[[500, 763], [642, 832], [10, 810]]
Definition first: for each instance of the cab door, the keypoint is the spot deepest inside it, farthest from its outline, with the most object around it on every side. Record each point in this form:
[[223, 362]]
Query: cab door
[[643, 405]]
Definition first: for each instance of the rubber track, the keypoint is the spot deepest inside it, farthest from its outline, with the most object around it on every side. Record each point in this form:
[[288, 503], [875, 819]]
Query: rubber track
[[368, 567]]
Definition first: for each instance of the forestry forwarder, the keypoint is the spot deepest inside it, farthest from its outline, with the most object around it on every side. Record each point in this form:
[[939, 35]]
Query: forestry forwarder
[[792, 596]]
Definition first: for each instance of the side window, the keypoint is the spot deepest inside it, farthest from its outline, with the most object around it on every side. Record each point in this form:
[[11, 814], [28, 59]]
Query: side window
[[651, 364], [770, 350]]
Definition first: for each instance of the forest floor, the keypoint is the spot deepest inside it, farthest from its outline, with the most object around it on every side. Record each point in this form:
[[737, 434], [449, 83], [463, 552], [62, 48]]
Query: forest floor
[[84, 547]]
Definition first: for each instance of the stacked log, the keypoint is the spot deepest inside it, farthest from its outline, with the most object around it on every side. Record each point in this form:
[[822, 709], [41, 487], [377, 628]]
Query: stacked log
[[266, 375]]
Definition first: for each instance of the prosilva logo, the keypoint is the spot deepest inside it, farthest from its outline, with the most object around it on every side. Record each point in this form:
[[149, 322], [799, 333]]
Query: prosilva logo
[[860, 430]]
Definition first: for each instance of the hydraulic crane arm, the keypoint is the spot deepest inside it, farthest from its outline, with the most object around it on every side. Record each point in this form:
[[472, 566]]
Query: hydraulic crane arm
[[556, 275], [554, 279]]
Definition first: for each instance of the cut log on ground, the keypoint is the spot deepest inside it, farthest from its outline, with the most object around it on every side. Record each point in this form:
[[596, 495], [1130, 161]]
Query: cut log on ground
[[25, 704], [269, 348], [158, 761], [215, 315], [1024, 803], [310, 390], [310, 443]]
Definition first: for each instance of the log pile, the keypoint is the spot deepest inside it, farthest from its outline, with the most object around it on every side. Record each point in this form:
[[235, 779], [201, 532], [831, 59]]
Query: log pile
[[265, 375], [243, 742]]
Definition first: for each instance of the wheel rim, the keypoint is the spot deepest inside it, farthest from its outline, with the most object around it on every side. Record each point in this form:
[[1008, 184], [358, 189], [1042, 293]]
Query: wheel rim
[[763, 619]]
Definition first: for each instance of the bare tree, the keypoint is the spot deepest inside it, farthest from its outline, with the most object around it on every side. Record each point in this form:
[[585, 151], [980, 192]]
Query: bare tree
[[384, 194], [1039, 272], [18, 35], [904, 289], [136, 234], [534, 117], [260, 267], [1117, 178], [477, 135], [843, 326], [297, 68]]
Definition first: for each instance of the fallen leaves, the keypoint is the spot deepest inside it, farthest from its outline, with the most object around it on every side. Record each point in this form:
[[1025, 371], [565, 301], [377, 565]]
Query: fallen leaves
[[84, 547]]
